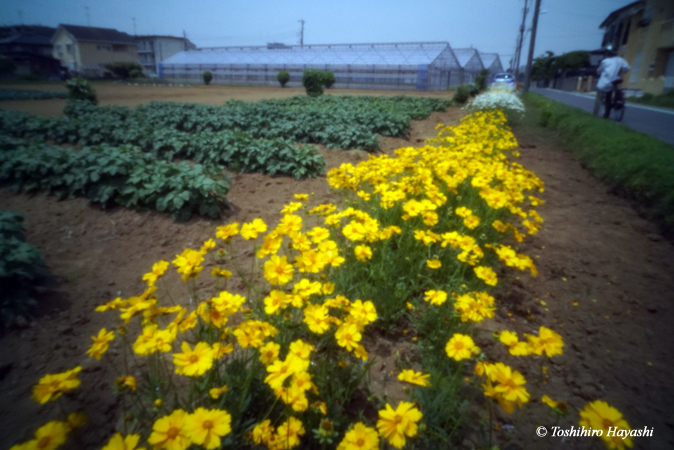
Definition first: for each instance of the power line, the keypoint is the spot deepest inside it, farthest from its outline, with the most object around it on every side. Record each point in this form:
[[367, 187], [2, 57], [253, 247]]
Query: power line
[[302, 33]]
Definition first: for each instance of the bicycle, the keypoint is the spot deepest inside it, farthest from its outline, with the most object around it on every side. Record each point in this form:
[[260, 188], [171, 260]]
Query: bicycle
[[617, 96]]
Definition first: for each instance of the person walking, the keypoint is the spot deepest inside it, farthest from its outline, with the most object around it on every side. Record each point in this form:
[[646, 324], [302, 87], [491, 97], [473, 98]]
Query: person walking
[[609, 71]]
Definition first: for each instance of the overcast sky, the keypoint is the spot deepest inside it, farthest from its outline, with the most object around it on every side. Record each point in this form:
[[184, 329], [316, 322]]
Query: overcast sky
[[488, 25]]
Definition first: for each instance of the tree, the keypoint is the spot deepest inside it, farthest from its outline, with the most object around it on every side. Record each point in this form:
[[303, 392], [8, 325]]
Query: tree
[[328, 79], [312, 80], [579, 59], [544, 67]]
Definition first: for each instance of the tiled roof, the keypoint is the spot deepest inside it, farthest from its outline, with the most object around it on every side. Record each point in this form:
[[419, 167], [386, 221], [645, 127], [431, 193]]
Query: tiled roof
[[92, 34]]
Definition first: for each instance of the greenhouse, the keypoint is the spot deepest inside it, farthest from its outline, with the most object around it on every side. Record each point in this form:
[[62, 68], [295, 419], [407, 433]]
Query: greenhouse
[[492, 62], [420, 66], [470, 64]]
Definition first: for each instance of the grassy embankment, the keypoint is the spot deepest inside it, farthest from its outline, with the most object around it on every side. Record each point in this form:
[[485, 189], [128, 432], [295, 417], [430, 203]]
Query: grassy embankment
[[633, 164], [662, 100]]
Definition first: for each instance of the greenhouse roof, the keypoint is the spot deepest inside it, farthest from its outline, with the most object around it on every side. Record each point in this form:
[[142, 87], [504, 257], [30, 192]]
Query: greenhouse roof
[[468, 58], [488, 58], [392, 54]]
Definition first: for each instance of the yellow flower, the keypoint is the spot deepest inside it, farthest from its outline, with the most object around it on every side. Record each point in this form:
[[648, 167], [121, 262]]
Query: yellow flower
[[433, 263], [508, 338], [395, 424], [599, 415], [193, 363], [289, 432], [354, 231], [460, 346], [127, 381], [316, 317], [487, 275], [510, 384], [206, 426], [49, 436], [227, 231], [158, 270], [275, 301], [362, 252], [52, 386], [262, 433], [188, 263], [348, 336], [119, 442], [253, 229], [301, 196], [278, 271], [471, 222], [549, 342], [224, 273], [101, 343], [548, 401], [435, 297], [360, 437], [289, 224], [216, 393], [412, 377], [291, 207], [269, 353], [280, 370], [168, 432]]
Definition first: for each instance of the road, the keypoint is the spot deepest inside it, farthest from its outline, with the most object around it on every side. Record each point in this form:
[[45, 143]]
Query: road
[[656, 122]]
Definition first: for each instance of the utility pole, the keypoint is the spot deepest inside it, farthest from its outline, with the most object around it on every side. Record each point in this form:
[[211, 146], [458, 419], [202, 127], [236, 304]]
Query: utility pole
[[302, 33], [86, 8], [184, 40], [532, 44], [134, 26], [520, 41]]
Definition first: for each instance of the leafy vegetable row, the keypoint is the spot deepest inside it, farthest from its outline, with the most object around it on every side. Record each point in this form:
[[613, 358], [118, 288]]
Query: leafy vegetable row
[[21, 266], [108, 175], [236, 150], [17, 94]]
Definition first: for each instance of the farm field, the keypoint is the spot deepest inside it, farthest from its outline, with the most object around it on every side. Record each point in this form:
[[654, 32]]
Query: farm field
[[604, 284]]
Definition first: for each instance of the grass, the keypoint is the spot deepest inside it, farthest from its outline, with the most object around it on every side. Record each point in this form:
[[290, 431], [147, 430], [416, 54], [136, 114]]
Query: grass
[[636, 165], [662, 100]]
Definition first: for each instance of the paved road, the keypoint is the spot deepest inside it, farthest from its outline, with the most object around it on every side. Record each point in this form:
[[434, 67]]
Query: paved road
[[656, 122]]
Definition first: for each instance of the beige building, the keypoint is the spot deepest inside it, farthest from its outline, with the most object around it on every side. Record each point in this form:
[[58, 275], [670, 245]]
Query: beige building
[[154, 49], [643, 33], [86, 50]]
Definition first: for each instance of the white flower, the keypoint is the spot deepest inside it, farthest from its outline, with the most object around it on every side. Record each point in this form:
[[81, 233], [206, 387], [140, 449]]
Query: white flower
[[497, 99]]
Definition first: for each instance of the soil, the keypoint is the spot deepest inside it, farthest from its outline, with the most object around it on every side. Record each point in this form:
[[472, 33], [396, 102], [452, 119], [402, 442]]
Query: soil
[[604, 283]]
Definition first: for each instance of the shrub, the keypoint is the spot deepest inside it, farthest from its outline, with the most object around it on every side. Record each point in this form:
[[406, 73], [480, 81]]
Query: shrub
[[481, 80], [462, 93], [283, 77], [123, 69], [134, 73], [208, 76], [328, 79], [312, 80], [80, 89]]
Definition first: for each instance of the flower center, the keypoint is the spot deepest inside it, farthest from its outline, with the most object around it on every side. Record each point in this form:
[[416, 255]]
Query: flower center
[[172, 432], [194, 359], [607, 423], [44, 442], [459, 345], [360, 442], [208, 424]]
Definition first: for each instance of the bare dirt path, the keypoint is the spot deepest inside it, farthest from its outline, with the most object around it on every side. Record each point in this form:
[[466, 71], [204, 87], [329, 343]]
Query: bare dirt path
[[606, 286], [116, 94]]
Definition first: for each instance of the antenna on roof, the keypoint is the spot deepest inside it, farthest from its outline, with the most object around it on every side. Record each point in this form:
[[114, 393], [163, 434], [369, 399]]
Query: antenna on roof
[[86, 8], [302, 33]]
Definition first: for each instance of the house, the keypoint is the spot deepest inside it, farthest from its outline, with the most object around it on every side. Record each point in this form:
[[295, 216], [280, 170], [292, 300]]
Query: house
[[154, 49], [643, 33], [86, 50], [31, 50]]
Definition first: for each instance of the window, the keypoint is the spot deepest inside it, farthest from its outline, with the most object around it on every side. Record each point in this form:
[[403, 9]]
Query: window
[[69, 48], [59, 49]]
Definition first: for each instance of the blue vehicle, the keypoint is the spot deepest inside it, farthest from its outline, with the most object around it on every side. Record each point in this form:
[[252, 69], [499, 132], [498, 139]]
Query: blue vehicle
[[505, 77]]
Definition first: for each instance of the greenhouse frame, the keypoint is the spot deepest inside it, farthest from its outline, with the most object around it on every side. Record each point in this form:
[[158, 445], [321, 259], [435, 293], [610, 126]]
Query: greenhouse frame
[[470, 63], [409, 65], [492, 62]]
